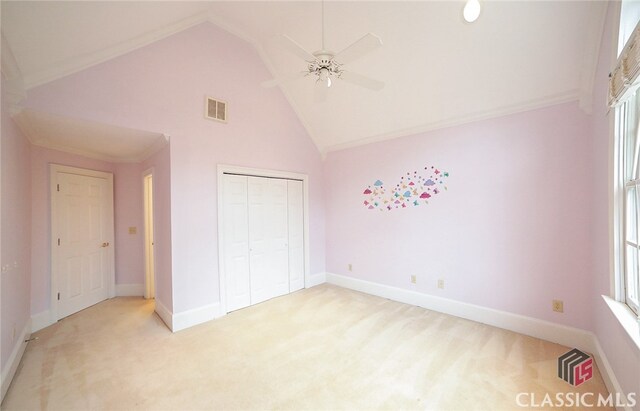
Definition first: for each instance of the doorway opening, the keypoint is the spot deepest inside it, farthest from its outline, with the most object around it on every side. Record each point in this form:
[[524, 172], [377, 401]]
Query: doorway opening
[[149, 262]]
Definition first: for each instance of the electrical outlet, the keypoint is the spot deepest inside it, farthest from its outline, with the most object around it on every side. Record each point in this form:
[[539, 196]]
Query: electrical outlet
[[557, 306], [441, 284], [413, 279], [350, 267]]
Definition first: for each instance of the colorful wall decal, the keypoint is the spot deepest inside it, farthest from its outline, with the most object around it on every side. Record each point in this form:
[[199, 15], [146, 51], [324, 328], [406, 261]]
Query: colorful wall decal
[[413, 189]]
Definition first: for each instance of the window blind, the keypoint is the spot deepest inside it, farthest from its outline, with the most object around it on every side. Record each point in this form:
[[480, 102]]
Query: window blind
[[624, 79]]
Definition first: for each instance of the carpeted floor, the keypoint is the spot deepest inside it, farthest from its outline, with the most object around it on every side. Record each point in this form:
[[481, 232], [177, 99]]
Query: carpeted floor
[[320, 348]]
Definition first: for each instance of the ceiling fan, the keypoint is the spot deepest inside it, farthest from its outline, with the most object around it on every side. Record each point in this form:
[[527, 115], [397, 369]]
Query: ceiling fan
[[326, 66]]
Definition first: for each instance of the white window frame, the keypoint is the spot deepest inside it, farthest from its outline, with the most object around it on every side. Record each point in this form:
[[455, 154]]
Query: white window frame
[[624, 186]]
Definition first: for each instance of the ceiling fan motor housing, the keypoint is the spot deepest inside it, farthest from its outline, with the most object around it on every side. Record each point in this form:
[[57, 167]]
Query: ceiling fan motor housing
[[324, 65]]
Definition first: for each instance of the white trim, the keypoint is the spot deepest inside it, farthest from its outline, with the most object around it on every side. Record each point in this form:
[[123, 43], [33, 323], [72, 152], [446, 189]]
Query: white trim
[[165, 315], [14, 87], [85, 61], [545, 330], [533, 104], [230, 169], [606, 372], [628, 320], [129, 290], [9, 369], [316, 279], [151, 150], [149, 290], [53, 179], [41, 320], [195, 316], [24, 124]]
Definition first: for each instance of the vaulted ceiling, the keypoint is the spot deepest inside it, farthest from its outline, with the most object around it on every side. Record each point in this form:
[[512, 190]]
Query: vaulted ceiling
[[438, 69]]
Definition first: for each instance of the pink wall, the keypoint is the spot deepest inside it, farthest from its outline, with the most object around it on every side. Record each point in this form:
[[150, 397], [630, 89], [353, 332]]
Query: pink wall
[[128, 210], [162, 88], [621, 352], [16, 233], [510, 233], [161, 164]]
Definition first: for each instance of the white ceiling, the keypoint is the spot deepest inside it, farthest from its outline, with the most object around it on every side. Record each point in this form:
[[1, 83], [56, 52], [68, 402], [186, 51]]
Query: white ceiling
[[438, 69], [90, 139]]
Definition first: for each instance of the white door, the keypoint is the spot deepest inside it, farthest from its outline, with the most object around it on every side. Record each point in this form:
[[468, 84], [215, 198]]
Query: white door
[[259, 239], [296, 235], [236, 242], [278, 237], [84, 213], [268, 252], [263, 238]]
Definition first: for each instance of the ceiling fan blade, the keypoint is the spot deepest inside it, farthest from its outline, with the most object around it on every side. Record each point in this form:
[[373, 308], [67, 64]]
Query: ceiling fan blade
[[294, 48], [283, 79], [365, 45], [362, 81], [321, 91]]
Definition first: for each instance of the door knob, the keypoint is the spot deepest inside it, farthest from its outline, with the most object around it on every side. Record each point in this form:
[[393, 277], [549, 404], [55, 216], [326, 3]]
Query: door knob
[[105, 244]]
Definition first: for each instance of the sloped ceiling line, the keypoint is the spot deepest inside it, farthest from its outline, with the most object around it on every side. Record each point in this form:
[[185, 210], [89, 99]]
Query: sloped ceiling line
[[583, 94]]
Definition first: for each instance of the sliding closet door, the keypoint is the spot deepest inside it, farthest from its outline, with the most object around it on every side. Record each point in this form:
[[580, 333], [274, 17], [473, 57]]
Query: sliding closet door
[[236, 242], [296, 235]]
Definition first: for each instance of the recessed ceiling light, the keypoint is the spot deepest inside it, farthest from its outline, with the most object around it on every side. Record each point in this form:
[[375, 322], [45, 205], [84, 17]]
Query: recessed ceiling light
[[471, 11]]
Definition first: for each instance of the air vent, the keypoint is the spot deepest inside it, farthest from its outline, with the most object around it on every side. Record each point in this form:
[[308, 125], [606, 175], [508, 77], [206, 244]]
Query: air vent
[[216, 110]]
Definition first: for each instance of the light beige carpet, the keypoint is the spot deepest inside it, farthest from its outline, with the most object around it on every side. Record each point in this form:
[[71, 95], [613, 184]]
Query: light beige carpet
[[321, 348]]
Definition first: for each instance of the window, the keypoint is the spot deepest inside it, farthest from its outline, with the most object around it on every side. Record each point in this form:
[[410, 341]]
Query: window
[[624, 96], [627, 117]]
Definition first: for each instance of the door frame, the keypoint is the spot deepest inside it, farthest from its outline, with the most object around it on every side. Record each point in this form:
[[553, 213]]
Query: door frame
[[257, 172], [54, 169], [149, 173]]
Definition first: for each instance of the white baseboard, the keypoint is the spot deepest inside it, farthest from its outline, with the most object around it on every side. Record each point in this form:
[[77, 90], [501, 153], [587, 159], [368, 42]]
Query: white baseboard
[[40, 321], [545, 330], [606, 371], [195, 316], [10, 368], [129, 290], [316, 279], [164, 314]]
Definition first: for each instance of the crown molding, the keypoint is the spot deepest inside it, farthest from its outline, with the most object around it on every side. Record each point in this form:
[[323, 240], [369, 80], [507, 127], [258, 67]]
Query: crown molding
[[98, 156], [470, 118], [24, 125], [88, 60], [14, 86]]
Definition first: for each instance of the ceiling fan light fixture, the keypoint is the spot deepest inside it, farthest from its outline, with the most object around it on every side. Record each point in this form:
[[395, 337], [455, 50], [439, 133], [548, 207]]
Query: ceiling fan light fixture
[[325, 76], [471, 11]]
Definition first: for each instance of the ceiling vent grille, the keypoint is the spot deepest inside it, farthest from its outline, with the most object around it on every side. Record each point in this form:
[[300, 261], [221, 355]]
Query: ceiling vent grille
[[216, 110]]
